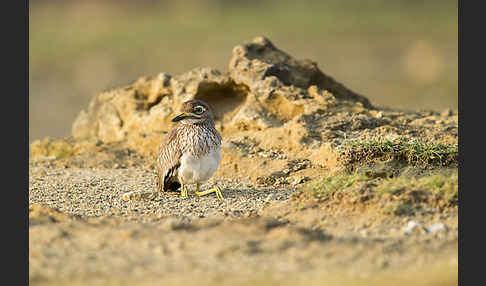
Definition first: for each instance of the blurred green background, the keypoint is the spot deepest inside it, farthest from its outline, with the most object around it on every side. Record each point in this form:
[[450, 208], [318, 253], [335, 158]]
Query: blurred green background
[[399, 53]]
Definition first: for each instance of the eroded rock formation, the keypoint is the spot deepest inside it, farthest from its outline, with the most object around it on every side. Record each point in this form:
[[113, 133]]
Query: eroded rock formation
[[273, 110], [264, 88]]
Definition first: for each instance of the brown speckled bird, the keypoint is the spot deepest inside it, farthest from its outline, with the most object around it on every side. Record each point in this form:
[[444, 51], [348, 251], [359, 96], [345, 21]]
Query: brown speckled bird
[[190, 153]]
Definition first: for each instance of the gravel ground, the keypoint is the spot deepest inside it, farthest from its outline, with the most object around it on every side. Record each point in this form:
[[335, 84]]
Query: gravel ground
[[104, 240], [98, 193]]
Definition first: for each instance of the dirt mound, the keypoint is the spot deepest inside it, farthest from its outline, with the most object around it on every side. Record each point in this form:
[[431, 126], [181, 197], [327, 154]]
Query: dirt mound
[[272, 110]]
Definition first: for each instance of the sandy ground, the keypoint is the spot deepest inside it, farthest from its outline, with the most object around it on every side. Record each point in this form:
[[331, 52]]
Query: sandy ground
[[81, 231]]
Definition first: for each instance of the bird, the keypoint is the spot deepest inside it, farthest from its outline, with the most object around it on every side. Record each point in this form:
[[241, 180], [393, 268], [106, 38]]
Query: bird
[[190, 152]]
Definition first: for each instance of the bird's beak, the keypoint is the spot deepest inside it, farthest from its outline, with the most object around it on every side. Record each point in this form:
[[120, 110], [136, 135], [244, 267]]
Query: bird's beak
[[180, 117]]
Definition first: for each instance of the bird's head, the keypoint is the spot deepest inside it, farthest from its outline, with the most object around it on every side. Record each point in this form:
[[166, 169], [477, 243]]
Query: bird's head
[[193, 112]]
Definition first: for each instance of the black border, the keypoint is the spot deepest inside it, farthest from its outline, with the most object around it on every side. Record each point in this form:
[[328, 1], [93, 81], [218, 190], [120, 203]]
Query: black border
[[15, 135], [471, 217]]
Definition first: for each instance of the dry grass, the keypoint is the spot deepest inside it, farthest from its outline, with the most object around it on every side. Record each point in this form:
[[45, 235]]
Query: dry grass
[[49, 147]]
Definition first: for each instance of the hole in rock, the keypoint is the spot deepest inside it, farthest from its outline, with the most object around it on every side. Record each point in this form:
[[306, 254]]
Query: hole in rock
[[223, 99]]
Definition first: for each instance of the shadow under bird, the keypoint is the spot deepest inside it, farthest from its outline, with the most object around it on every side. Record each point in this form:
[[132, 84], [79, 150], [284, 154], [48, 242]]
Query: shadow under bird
[[190, 153]]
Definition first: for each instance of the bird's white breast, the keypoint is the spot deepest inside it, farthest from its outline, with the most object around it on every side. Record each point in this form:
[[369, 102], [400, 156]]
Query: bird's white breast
[[195, 169]]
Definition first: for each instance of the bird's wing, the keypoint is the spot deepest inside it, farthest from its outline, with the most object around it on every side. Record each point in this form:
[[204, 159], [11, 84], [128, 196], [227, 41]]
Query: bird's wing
[[168, 162]]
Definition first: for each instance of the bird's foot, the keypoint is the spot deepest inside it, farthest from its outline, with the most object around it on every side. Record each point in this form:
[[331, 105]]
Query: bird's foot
[[183, 192], [216, 190]]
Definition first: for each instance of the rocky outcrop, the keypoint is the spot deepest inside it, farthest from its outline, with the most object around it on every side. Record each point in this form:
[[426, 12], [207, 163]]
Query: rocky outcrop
[[264, 88], [265, 69], [271, 109]]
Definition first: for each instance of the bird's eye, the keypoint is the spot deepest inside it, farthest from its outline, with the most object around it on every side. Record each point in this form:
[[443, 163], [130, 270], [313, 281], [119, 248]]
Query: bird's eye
[[198, 110]]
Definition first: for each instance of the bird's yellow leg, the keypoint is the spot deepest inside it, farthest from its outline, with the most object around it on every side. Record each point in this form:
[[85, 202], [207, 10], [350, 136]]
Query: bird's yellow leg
[[183, 191], [216, 190]]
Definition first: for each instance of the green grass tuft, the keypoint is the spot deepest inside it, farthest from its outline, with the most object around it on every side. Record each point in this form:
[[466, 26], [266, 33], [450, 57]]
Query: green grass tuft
[[413, 152], [329, 185], [443, 186], [48, 147], [402, 195]]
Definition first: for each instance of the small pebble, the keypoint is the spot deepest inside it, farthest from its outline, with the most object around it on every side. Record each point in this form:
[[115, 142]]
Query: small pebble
[[411, 226], [436, 227]]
